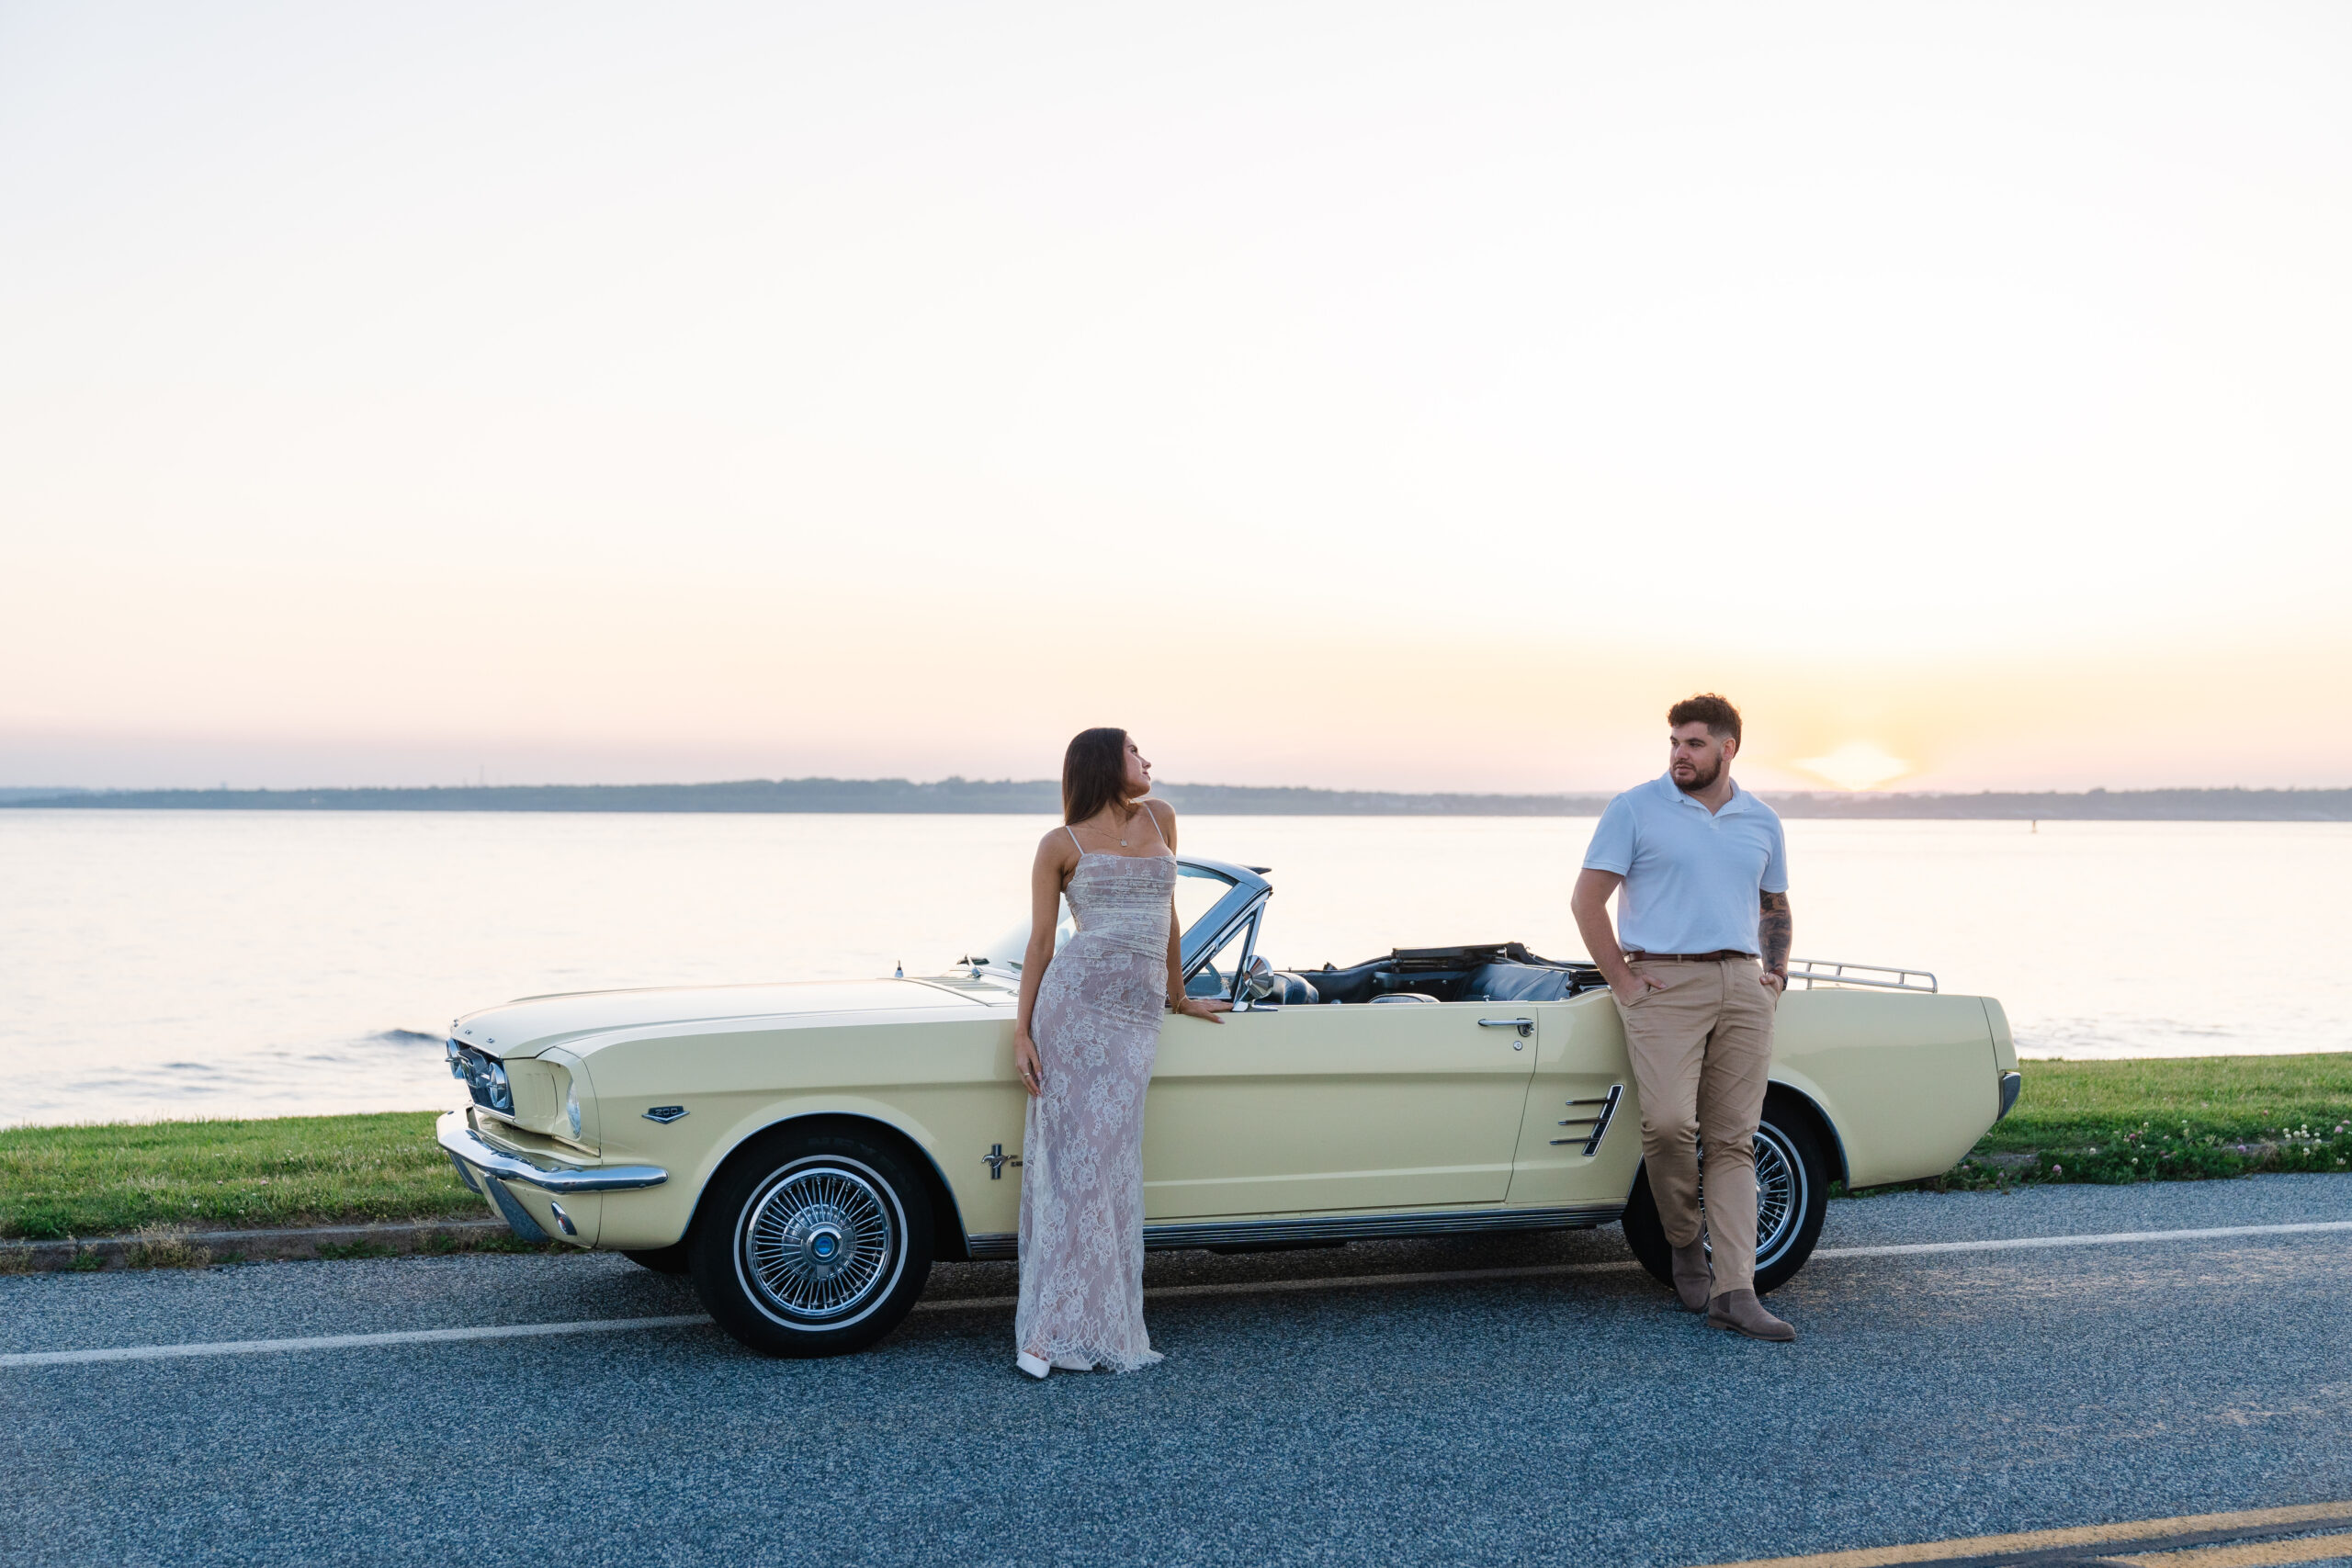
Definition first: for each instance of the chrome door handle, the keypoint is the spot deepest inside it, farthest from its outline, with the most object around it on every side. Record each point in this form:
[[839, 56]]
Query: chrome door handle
[[1526, 1026]]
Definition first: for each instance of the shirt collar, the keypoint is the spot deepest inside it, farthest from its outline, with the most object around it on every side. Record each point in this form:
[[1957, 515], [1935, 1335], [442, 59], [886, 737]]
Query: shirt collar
[[1738, 801]]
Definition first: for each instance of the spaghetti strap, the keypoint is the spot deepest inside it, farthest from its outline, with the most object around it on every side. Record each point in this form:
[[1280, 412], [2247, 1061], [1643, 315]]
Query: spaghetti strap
[[1073, 839], [1148, 811]]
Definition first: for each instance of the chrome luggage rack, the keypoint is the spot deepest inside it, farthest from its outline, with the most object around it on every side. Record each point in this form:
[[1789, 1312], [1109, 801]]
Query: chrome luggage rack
[[1877, 977]]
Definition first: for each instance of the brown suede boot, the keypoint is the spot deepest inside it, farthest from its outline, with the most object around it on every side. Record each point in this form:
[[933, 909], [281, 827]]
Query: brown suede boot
[[1740, 1312], [1694, 1277]]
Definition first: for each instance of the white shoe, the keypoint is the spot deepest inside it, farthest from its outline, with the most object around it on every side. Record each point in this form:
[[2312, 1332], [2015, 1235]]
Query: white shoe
[[1072, 1364], [1036, 1366]]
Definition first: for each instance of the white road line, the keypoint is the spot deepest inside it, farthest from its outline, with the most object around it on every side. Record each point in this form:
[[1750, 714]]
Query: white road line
[[1165, 1292], [342, 1341], [1545, 1271], [2113, 1238]]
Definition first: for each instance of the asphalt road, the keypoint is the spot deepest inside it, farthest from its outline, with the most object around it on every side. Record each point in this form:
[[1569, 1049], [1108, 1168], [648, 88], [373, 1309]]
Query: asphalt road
[[1563, 1417]]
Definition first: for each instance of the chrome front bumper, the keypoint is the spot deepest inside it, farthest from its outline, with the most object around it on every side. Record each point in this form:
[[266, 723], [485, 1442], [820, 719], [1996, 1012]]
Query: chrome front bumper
[[475, 1156]]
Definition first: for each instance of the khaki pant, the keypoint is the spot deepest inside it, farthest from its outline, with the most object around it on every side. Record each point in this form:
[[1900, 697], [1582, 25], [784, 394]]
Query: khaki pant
[[1701, 1051]]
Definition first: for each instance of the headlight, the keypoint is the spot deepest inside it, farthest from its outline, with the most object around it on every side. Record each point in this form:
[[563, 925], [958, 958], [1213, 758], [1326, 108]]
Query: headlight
[[502, 1093], [485, 1077]]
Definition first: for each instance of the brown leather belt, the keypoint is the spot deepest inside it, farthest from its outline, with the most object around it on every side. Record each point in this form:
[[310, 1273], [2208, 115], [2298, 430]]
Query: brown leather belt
[[1720, 956]]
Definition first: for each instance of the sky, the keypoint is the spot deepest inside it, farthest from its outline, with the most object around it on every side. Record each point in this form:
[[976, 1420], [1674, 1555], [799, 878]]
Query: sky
[[1356, 394]]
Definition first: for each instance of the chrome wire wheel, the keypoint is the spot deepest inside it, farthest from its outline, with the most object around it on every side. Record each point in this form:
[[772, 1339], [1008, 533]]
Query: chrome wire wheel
[[821, 1243], [1781, 1194]]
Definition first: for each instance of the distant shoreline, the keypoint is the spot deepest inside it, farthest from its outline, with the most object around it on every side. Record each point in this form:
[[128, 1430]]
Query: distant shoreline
[[1041, 797]]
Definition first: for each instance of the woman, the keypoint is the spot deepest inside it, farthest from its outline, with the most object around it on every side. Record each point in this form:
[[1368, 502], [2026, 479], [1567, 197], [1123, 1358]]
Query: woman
[[1084, 1040]]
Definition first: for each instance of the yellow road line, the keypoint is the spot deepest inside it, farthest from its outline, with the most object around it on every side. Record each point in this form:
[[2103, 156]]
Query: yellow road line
[[2081, 1535], [2258, 1554]]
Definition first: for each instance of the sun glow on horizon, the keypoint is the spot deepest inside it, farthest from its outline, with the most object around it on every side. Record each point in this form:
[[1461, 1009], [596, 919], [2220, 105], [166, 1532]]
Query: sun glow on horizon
[[1858, 765]]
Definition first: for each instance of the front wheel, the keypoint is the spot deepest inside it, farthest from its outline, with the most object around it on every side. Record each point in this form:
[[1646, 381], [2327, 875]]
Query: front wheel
[[812, 1244], [1791, 1200]]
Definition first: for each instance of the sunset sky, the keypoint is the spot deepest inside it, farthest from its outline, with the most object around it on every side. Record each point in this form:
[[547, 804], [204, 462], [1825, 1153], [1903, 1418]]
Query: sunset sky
[[1360, 395]]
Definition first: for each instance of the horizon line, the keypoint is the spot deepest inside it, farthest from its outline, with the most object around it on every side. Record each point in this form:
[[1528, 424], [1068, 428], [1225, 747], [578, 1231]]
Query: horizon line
[[22, 793], [956, 795]]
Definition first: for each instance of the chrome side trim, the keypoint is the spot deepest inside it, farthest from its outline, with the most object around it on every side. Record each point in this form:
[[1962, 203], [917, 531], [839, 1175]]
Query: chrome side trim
[[2011, 1084], [1340, 1227], [1369, 1228], [468, 1147]]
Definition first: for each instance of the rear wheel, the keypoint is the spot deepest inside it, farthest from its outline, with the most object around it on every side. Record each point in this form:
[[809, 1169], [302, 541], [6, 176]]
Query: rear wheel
[[1791, 1200], [812, 1244]]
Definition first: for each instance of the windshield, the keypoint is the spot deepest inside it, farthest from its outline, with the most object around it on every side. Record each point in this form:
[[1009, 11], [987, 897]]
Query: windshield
[[1198, 890]]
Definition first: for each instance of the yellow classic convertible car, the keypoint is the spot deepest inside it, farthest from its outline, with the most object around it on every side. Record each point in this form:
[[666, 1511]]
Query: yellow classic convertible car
[[806, 1151]]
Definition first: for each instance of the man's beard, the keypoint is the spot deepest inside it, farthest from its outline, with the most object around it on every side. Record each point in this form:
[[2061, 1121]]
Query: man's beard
[[1701, 780]]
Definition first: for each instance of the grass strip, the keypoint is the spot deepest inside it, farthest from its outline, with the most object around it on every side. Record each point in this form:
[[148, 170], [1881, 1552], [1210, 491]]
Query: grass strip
[[116, 1179], [2096, 1122], [2183, 1119]]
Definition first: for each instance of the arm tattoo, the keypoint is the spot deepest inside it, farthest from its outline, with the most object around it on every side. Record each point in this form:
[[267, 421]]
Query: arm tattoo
[[1776, 928]]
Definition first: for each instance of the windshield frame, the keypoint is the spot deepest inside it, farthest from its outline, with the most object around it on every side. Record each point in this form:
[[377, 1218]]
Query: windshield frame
[[1247, 892]]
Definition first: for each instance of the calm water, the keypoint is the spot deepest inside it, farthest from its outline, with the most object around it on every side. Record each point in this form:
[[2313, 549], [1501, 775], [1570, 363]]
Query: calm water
[[185, 963]]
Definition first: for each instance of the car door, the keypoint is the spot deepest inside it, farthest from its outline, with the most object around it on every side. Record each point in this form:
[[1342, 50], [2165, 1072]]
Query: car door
[[1316, 1109], [1582, 1137]]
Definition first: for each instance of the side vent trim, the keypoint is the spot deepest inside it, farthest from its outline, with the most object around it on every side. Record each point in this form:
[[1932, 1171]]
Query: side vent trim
[[1598, 1121]]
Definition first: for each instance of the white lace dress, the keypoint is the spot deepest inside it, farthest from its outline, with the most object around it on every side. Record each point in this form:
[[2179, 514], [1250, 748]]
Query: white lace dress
[[1097, 1027]]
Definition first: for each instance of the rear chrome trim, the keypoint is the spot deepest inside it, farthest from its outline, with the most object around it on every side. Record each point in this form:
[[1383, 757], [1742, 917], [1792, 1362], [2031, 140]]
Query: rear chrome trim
[[2011, 1084], [468, 1148], [1338, 1227], [1814, 972]]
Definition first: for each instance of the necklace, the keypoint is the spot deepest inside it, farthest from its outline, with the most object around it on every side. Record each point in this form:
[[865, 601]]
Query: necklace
[[1123, 838]]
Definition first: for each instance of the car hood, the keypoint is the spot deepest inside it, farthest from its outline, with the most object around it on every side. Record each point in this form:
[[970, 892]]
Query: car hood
[[530, 1024]]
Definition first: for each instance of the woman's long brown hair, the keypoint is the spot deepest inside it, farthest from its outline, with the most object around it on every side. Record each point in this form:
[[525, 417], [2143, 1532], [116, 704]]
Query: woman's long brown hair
[[1095, 773]]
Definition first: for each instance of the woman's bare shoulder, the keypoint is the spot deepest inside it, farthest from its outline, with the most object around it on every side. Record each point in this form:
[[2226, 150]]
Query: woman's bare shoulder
[[1163, 814]]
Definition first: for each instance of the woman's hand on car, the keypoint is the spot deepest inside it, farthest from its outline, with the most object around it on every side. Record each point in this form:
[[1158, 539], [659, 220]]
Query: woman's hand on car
[[1203, 1007], [1026, 1062]]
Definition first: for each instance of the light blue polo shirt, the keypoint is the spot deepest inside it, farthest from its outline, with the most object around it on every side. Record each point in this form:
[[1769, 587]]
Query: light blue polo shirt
[[1691, 876]]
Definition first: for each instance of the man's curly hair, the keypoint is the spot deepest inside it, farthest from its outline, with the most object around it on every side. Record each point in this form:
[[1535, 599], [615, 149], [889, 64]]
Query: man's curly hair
[[1716, 713]]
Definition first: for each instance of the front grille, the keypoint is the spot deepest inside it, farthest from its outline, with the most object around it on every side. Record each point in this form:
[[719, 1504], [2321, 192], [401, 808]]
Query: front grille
[[484, 1077]]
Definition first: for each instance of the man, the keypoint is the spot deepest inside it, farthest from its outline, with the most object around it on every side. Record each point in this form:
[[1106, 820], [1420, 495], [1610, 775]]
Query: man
[[1699, 871]]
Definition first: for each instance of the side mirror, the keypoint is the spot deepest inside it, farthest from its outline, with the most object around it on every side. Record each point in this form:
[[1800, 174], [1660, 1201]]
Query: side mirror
[[1258, 981]]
